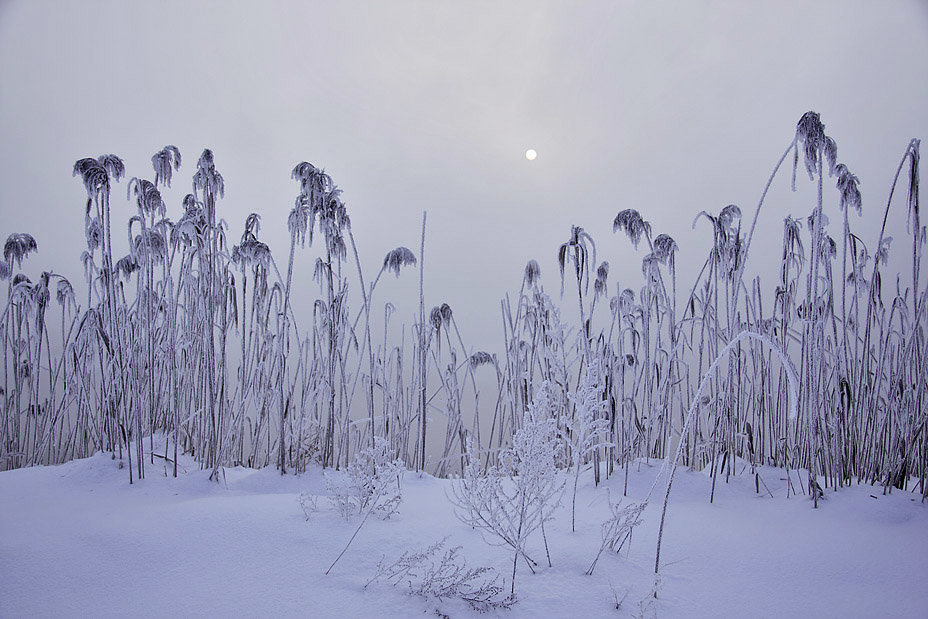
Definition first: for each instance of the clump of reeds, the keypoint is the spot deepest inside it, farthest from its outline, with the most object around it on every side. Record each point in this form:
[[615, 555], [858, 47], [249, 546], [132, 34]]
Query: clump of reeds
[[193, 334]]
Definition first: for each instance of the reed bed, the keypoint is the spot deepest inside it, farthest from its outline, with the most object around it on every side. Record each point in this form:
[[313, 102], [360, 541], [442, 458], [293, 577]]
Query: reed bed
[[194, 335]]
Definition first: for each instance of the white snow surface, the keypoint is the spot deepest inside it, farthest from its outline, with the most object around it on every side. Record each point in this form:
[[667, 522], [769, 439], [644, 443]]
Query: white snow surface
[[78, 540]]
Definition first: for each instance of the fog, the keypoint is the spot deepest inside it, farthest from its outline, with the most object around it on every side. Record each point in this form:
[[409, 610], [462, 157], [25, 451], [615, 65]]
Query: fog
[[669, 108]]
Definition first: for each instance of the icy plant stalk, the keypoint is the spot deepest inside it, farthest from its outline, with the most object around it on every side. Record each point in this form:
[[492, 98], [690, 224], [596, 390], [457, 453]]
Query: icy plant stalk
[[516, 497], [589, 425], [373, 483], [617, 529], [446, 575]]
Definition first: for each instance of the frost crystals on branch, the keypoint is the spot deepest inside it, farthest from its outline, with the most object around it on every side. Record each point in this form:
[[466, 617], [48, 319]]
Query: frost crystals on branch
[[617, 529], [307, 504], [589, 425], [445, 576], [372, 481], [517, 496]]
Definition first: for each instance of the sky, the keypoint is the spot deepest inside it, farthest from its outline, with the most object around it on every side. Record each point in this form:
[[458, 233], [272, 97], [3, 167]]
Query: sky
[[667, 107]]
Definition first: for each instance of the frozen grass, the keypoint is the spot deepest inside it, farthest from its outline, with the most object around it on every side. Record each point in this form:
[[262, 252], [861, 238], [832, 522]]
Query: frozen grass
[[194, 335]]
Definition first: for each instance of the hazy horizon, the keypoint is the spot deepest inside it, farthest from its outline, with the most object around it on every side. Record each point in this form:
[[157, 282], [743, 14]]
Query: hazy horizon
[[669, 108]]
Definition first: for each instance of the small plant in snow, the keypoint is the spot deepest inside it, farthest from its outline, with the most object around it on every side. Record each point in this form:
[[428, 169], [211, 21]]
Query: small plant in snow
[[370, 485], [647, 606], [307, 503], [372, 482], [589, 425], [445, 575], [517, 496], [617, 529]]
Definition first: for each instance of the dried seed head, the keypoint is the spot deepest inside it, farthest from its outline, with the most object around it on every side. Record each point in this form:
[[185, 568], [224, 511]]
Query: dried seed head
[[532, 272], [664, 247], [207, 176], [630, 222], [913, 185], [126, 266], [164, 162], [602, 274], [848, 184], [147, 197], [18, 245], [113, 165], [482, 358], [94, 176], [810, 135], [728, 216], [398, 258], [435, 317]]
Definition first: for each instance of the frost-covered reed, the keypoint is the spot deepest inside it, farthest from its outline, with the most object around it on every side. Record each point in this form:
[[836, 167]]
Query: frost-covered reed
[[194, 334]]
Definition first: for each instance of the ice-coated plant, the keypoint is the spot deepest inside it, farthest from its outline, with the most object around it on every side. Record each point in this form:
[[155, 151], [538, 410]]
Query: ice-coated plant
[[647, 605], [371, 483], [589, 426], [308, 504], [439, 573], [617, 528], [514, 498]]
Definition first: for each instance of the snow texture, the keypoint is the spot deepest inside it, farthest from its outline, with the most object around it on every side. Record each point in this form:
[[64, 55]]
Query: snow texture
[[77, 540]]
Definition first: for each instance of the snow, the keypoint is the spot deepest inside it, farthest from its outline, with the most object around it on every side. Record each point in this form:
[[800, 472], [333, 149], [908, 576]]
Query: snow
[[78, 540]]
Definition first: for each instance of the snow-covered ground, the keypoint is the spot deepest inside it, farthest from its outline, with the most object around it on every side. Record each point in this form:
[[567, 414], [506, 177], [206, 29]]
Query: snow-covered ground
[[78, 540]]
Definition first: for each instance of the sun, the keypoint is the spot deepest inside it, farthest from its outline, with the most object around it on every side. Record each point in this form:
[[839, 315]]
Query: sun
[[530, 154]]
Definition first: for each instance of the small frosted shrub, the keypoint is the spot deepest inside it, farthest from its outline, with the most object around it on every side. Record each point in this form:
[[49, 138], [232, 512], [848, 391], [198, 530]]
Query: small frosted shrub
[[307, 504], [589, 425], [516, 497], [371, 482], [617, 529], [647, 606], [437, 574]]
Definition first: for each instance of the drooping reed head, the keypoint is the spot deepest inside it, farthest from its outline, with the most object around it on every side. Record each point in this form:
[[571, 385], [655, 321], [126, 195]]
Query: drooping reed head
[[252, 226], [810, 136], [482, 358], [164, 162], [252, 252], [207, 176], [64, 294], [150, 244], [848, 186], [147, 196], [631, 222], [314, 182], [913, 155], [532, 272], [126, 266], [398, 258], [664, 248], [113, 165], [435, 318], [602, 274], [94, 176], [18, 245]]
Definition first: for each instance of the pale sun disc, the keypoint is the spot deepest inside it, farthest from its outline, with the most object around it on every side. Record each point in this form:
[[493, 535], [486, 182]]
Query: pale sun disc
[[530, 154]]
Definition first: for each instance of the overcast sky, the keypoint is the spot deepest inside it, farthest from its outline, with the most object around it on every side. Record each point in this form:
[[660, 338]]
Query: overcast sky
[[670, 108]]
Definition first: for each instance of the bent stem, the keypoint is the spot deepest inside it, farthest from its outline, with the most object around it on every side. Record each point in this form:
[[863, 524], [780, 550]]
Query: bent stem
[[793, 390]]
